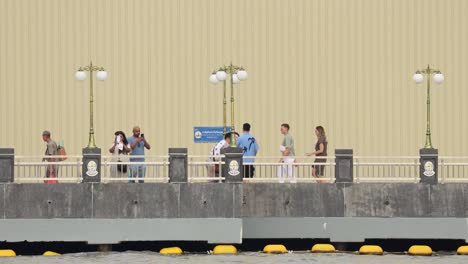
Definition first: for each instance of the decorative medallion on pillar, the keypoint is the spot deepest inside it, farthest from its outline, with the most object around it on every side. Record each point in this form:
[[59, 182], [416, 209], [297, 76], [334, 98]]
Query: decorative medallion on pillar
[[91, 165], [429, 159], [233, 170]]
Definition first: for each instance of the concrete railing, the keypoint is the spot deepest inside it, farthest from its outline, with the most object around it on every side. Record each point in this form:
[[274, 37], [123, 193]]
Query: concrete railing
[[177, 166], [276, 169], [205, 168], [386, 169], [122, 169], [35, 169], [453, 169]]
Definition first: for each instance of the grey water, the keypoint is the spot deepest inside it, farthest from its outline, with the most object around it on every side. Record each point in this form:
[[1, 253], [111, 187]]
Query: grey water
[[254, 258]]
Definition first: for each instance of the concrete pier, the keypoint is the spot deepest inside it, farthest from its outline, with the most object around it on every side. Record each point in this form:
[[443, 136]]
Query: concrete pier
[[228, 213]]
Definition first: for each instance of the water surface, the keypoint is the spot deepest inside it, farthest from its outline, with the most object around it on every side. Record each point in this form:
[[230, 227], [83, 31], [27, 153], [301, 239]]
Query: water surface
[[253, 258]]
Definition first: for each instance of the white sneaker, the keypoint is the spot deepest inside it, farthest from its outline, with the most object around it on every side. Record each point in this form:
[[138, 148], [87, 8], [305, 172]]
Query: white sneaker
[[281, 181], [293, 181]]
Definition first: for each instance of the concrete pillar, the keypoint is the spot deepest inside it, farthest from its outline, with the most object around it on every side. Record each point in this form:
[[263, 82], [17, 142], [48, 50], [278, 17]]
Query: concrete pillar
[[178, 165], [91, 165], [344, 165], [7, 165], [429, 168], [233, 169]]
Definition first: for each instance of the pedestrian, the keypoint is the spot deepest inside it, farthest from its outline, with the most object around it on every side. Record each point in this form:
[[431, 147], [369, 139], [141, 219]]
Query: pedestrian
[[213, 169], [119, 149], [321, 147], [249, 147], [138, 143], [287, 156], [51, 150]]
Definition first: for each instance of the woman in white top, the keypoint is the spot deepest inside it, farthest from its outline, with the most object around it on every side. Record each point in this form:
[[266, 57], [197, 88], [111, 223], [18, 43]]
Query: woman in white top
[[119, 150]]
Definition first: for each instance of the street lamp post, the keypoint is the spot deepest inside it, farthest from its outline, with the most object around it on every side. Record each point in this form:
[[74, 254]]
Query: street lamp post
[[213, 79], [438, 77], [236, 74], [101, 75]]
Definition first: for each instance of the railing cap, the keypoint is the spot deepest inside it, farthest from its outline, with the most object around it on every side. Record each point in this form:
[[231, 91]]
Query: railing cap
[[429, 152], [178, 155], [232, 150], [343, 152], [7, 151], [91, 151], [177, 151]]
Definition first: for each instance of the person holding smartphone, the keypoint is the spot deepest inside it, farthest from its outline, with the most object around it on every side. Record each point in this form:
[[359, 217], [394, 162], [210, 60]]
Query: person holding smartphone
[[119, 149], [138, 144]]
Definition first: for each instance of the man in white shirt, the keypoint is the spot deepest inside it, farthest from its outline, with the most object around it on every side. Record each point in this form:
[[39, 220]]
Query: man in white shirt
[[213, 169]]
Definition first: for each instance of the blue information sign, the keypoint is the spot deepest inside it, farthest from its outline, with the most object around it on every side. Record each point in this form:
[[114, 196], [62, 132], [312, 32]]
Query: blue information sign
[[208, 134]]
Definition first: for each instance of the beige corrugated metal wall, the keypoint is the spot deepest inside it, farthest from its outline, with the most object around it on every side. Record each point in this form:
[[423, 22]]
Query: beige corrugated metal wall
[[343, 64]]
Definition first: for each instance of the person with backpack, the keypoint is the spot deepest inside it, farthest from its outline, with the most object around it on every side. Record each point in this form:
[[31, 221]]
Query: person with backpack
[[51, 150]]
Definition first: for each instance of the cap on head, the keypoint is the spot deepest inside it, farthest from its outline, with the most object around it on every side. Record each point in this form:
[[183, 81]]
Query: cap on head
[[46, 133]]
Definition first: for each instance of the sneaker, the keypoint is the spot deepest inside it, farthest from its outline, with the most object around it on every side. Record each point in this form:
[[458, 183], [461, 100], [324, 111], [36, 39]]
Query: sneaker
[[293, 181], [281, 181]]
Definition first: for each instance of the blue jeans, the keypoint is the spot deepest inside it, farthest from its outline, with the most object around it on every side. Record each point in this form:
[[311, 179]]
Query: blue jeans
[[137, 171]]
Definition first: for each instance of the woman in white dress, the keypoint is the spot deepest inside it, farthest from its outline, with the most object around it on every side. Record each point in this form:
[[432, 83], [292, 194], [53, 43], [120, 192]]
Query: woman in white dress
[[119, 149]]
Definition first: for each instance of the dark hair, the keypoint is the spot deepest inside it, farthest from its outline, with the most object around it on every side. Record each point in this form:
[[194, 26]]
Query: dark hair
[[246, 127], [285, 125], [228, 135], [321, 131], [124, 138]]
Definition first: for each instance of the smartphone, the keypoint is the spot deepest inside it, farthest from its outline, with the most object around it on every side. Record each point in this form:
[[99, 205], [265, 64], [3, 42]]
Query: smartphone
[[142, 135]]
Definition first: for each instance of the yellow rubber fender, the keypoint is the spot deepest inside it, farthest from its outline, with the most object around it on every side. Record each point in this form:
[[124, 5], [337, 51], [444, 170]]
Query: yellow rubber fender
[[171, 251], [275, 249], [224, 250], [50, 253], [463, 250], [371, 250], [323, 248], [7, 253], [420, 250]]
